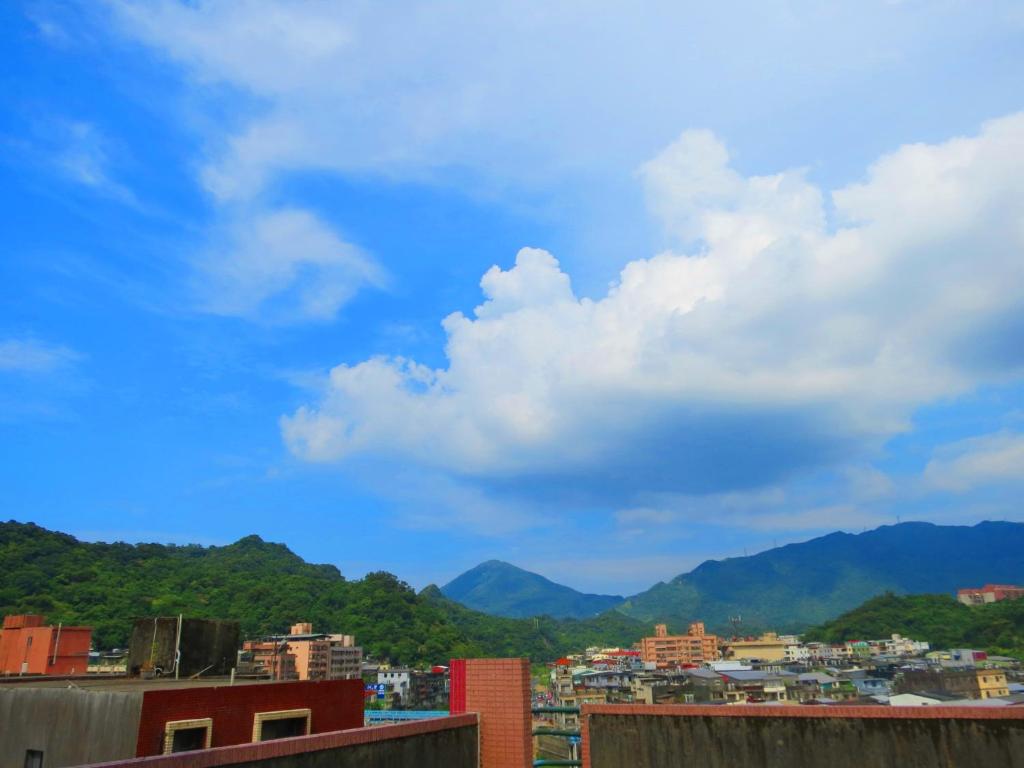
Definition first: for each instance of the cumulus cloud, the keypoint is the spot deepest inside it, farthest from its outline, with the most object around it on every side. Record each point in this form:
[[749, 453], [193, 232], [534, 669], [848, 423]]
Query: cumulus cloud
[[283, 266], [773, 346], [29, 355], [996, 459]]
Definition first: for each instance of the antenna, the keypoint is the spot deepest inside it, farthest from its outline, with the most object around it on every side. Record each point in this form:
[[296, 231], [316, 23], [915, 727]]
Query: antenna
[[736, 621]]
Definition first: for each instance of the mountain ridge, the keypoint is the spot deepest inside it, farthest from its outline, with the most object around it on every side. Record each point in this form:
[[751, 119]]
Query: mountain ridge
[[265, 587], [803, 583], [513, 592], [797, 585]]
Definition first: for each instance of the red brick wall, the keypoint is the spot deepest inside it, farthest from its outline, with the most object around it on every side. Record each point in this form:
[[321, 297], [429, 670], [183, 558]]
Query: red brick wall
[[336, 705], [247, 754], [499, 691]]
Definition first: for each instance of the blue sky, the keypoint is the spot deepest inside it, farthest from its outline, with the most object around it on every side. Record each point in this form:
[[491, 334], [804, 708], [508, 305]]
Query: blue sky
[[601, 293]]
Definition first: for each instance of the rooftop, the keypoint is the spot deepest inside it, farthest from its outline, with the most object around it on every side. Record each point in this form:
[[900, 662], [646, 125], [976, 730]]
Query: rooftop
[[120, 684]]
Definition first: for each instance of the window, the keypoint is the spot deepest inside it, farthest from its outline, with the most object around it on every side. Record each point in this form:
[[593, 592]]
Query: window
[[281, 725], [33, 758], [187, 735]]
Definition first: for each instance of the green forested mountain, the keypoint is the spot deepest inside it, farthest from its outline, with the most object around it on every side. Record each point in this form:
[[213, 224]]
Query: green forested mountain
[[792, 587], [540, 637], [503, 589], [939, 619], [266, 587]]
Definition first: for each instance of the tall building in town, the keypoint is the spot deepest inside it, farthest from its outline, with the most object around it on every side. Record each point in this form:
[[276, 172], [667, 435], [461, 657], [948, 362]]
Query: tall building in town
[[665, 650], [305, 655]]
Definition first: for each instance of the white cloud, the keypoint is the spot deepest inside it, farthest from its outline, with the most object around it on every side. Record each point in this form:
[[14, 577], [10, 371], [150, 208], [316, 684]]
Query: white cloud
[[977, 462], [516, 92], [32, 356], [503, 97], [84, 158], [772, 345], [283, 266], [644, 516]]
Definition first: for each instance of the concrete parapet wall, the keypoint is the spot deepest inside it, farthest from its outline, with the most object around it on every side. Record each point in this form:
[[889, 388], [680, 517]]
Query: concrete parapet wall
[[449, 742], [68, 726], [643, 736]]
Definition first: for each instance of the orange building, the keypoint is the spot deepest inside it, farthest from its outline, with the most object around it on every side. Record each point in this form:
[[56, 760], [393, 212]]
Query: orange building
[[305, 655], [271, 658], [665, 650], [29, 648], [324, 656]]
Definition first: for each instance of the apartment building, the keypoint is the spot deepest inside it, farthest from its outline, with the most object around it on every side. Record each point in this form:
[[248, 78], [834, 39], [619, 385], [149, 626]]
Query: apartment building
[[965, 683], [305, 655], [665, 650], [767, 647], [268, 657]]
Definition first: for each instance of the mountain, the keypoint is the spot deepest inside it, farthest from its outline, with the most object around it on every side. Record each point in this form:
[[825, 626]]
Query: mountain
[[541, 637], [266, 587], [502, 589], [939, 619], [791, 587]]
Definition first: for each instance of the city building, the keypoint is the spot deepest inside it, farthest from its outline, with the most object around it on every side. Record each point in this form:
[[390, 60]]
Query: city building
[[961, 683], [267, 658], [304, 655], [665, 650], [990, 593], [396, 679], [415, 689], [767, 647], [30, 647], [756, 687]]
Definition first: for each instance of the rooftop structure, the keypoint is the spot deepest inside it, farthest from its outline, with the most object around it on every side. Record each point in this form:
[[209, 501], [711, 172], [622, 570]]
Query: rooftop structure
[[182, 646], [30, 647]]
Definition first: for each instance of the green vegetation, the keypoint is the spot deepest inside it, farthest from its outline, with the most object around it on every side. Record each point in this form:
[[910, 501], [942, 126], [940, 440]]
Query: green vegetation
[[541, 638], [265, 587], [945, 623], [792, 587], [502, 589]]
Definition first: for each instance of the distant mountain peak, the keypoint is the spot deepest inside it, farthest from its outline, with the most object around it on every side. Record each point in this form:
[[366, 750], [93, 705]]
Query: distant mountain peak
[[503, 589]]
